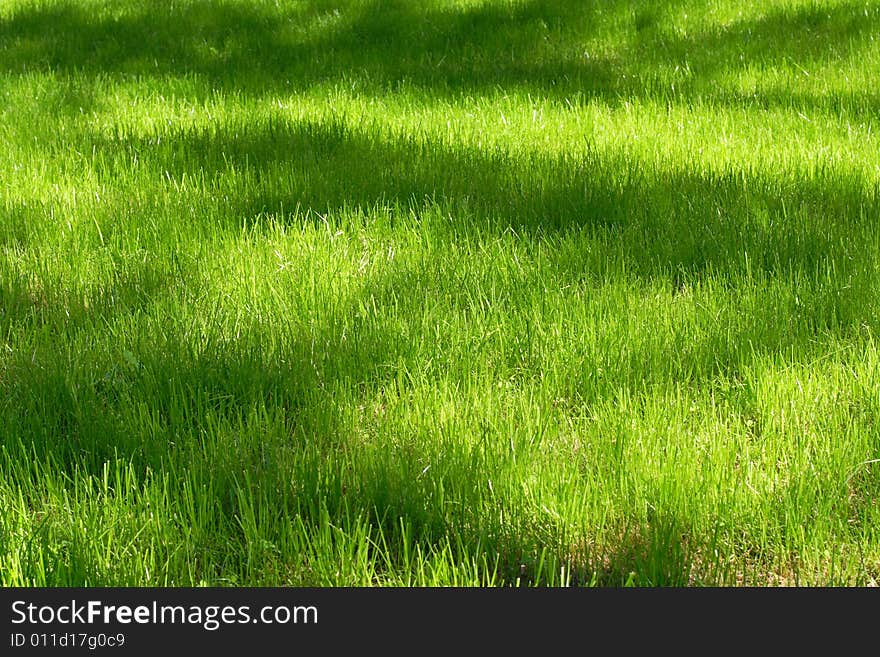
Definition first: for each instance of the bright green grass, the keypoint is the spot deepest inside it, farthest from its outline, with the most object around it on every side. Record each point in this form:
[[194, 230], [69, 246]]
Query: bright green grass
[[453, 292]]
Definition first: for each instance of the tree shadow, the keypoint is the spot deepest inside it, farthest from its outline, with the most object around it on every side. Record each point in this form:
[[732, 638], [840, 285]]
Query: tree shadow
[[658, 220], [673, 227], [374, 47], [676, 225], [16, 220]]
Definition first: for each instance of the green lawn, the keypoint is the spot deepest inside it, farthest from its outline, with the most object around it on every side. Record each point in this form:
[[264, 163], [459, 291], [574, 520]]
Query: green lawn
[[469, 292]]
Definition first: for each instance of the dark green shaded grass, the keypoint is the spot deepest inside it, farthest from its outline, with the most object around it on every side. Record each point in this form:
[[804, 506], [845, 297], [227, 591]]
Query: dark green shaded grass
[[558, 48]]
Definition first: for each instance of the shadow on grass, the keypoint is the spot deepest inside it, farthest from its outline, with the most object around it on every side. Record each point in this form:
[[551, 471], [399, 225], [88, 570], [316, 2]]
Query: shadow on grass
[[657, 222], [539, 47], [667, 225], [676, 227], [16, 222]]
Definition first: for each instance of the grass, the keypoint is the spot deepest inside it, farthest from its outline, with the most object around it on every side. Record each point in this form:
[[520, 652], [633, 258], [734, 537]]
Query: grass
[[460, 292]]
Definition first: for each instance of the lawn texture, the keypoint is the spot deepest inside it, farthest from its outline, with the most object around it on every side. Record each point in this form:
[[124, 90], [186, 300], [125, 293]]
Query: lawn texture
[[453, 292]]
